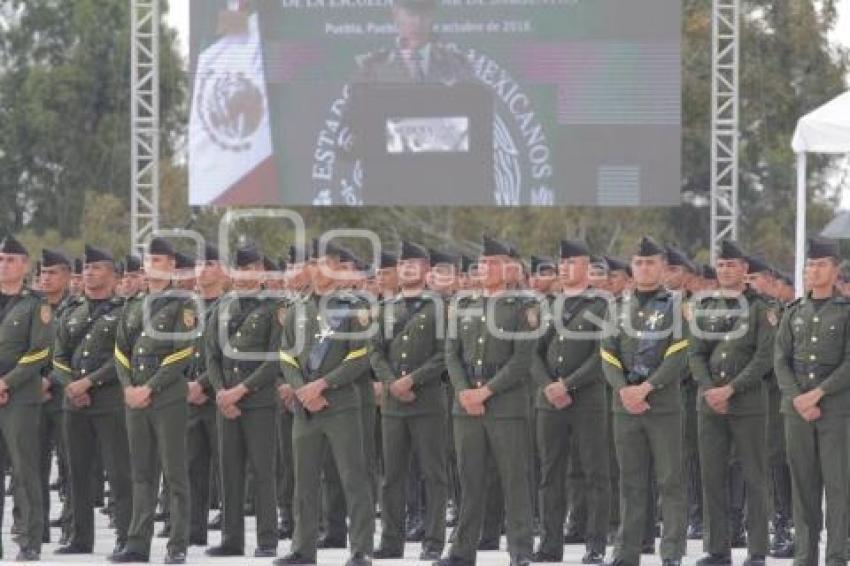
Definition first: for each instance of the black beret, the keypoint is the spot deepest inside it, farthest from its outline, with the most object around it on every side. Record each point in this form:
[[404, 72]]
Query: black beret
[[49, 258], [10, 245], [540, 264], [246, 255], [675, 256], [160, 246], [817, 248], [573, 248], [92, 254], [119, 268], [615, 264], [184, 261], [513, 252], [78, 266], [493, 247], [729, 249], [648, 247], [708, 272], [132, 264], [388, 261], [442, 258], [409, 250]]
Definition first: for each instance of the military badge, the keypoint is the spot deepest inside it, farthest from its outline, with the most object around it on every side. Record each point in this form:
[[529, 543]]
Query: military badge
[[46, 313], [189, 318], [772, 317]]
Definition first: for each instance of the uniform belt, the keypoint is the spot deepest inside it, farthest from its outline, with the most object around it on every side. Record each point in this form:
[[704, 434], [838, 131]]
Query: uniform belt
[[479, 375], [806, 370], [245, 367], [91, 363], [144, 362]]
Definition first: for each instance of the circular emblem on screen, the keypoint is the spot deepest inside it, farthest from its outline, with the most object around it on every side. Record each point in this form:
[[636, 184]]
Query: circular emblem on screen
[[522, 157], [231, 108]]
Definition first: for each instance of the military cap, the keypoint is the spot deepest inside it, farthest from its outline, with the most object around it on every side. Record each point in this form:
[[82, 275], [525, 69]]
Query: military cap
[[493, 247], [409, 250], [442, 258], [675, 256], [268, 264], [246, 255], [817, 248], [211, 253], [648, 247], [132, 264], [293, 254], [708, 272], [184, 261], [730, 249], [387, 261], [466, 264], [540, 264], [49, 258], [78, 266], [757, 265], [160, 246], [573, 248], [331, 249], [12, 246], [615, 264], [92, 254]]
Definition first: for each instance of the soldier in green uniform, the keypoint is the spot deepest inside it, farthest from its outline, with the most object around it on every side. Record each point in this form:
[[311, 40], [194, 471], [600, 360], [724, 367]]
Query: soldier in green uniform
[[730, 353], [25, 335], [202, 439], [680, 270], [297, 281], [570, 401], [812, 365], [132, 281], [407, 357], [153, 349], [644, 358], [83, 361], [242, 331], [54, 280], [489, 369], [323, 352], [760, 277]]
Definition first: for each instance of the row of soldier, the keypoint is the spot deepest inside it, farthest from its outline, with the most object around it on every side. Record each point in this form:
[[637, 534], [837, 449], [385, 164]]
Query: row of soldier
[[498, 429]]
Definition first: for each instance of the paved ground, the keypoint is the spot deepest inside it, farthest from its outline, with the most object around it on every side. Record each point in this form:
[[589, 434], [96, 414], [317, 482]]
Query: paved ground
[[105, 542]]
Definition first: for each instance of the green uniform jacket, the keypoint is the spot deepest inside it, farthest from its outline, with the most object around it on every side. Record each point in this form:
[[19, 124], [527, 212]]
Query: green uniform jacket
[[252, 325], [719, 358], [569, 352], [408, 344], [198, 368], [160, 363], [24, 346], [813, 350], [85, 347], [477, 356], [641, 344], [346, 358]]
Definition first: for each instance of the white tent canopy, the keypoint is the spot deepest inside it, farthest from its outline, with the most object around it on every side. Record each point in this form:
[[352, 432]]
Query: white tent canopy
[[824, 130]]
